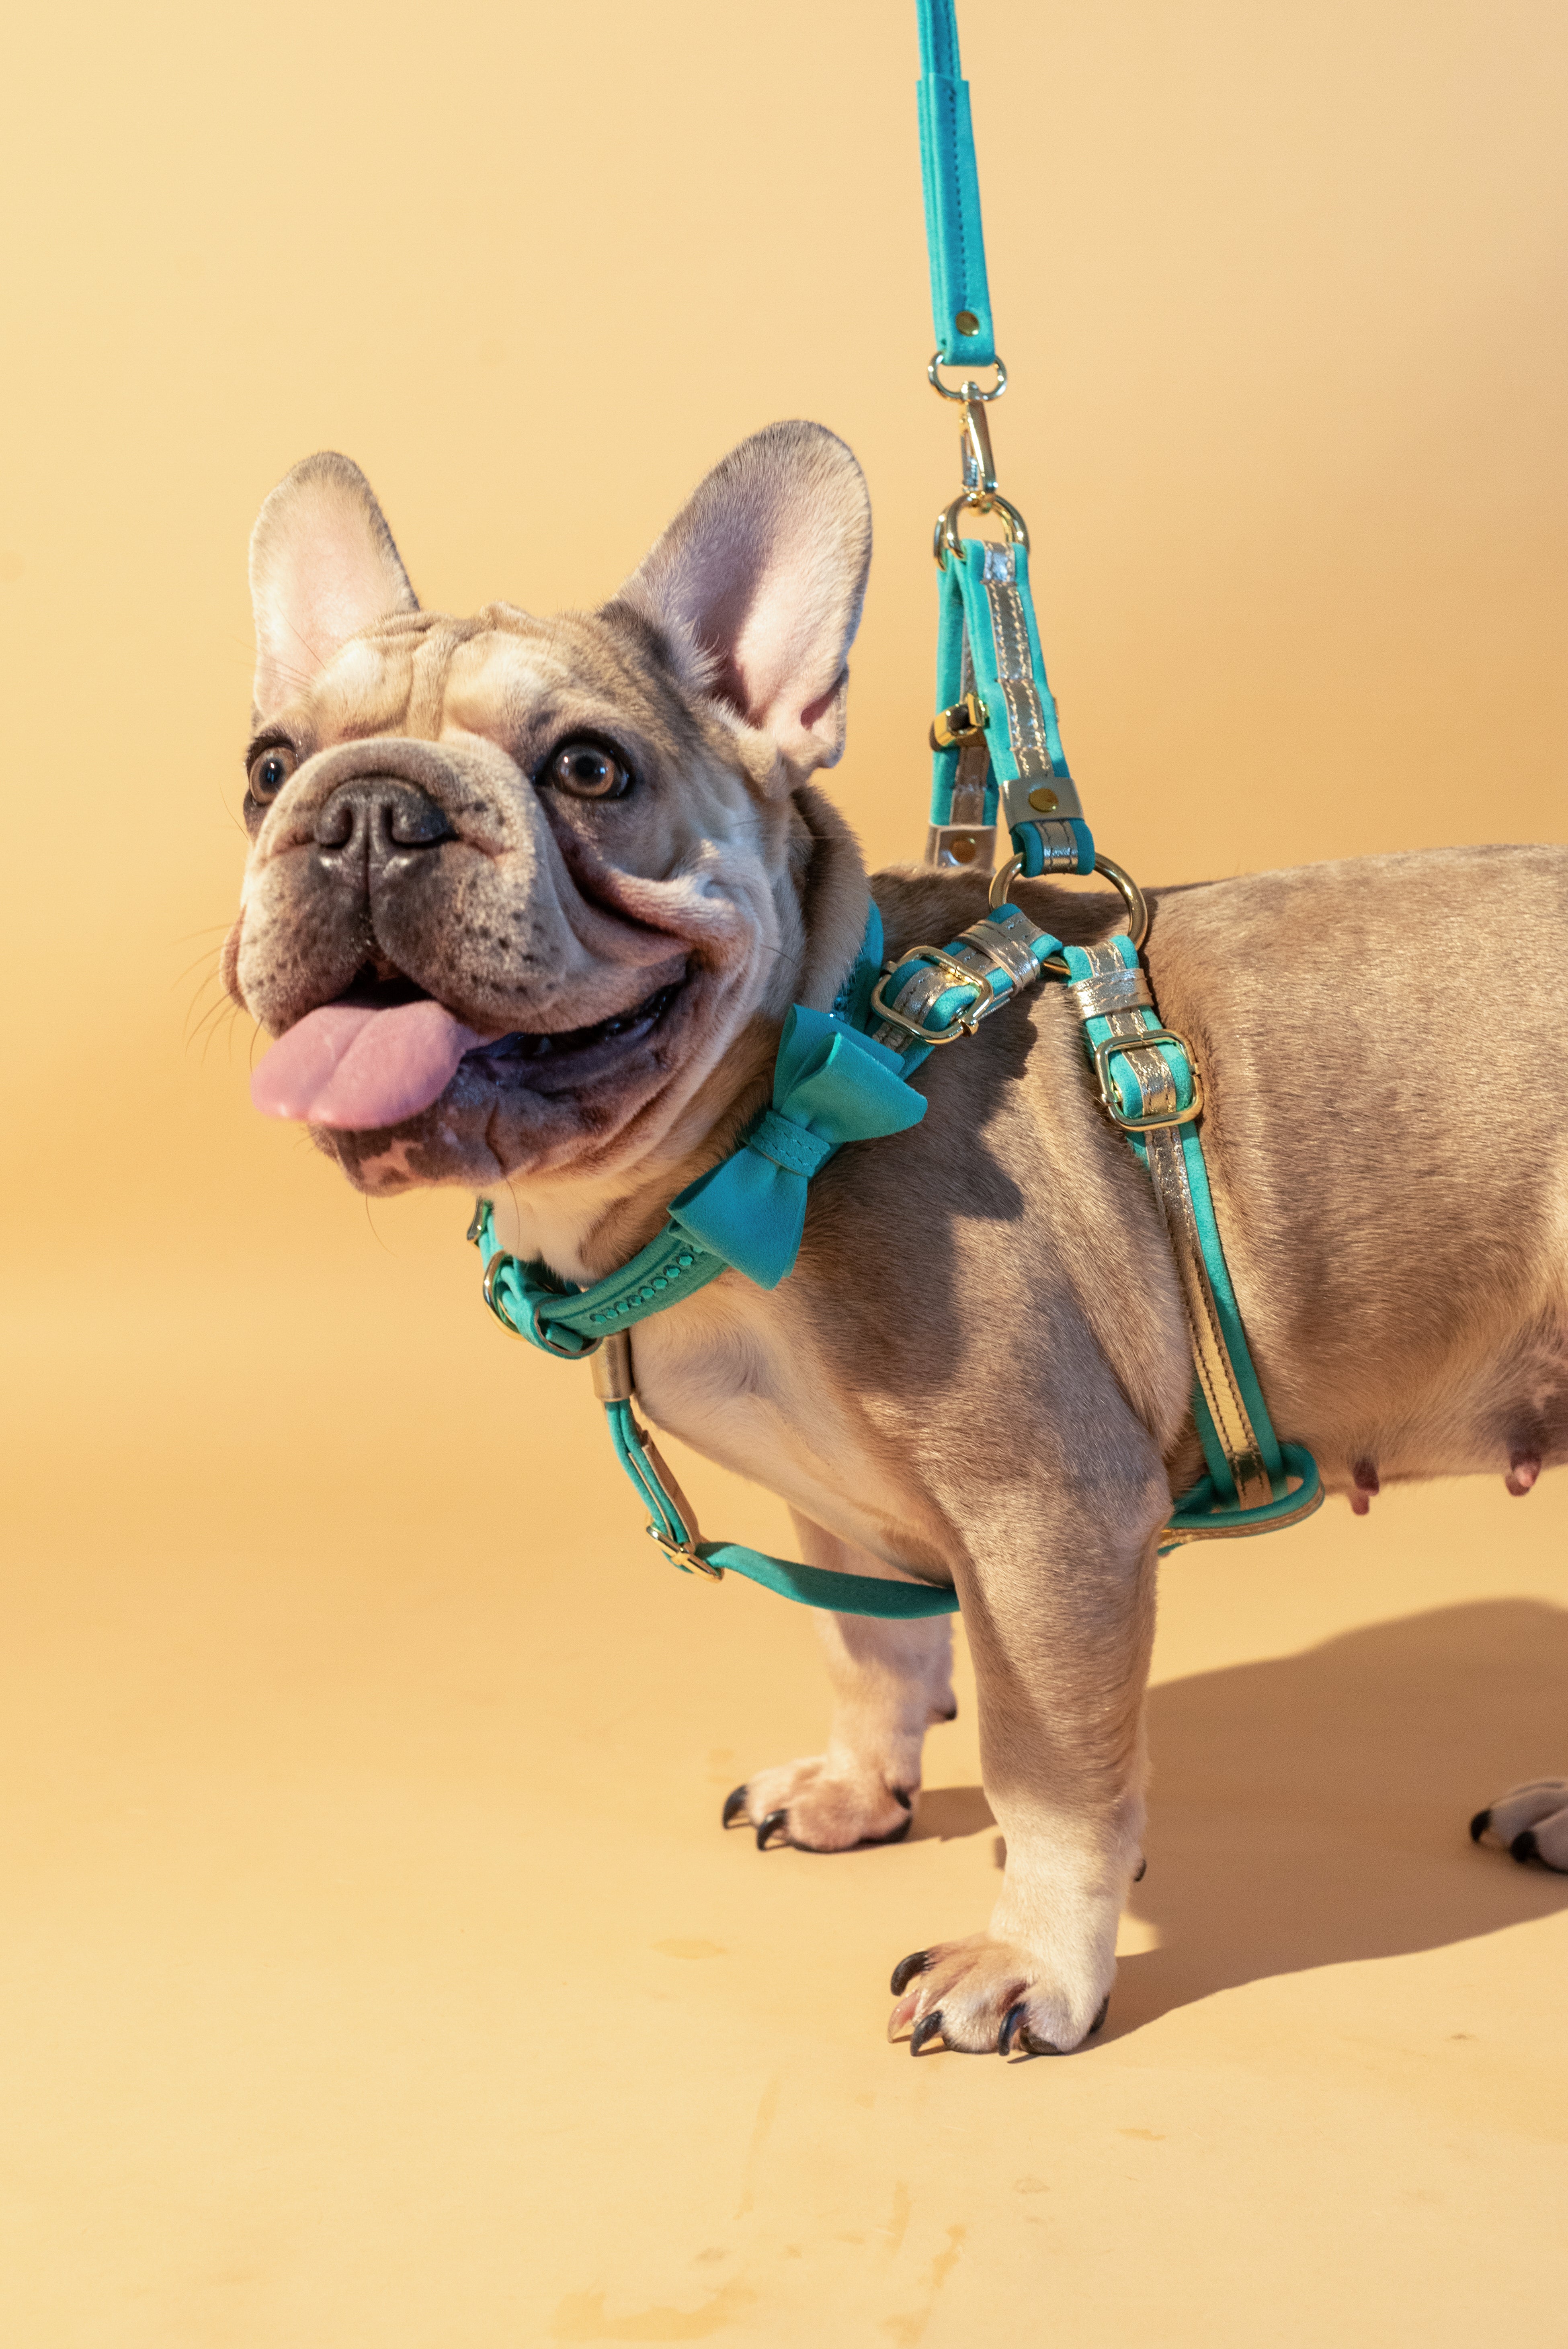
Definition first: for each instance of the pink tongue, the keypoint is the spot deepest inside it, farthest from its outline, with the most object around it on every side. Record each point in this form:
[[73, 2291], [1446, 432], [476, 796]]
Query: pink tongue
[[348, 1066]]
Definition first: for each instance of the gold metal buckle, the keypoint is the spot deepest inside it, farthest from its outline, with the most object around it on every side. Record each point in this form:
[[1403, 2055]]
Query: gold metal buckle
[[966, 1022], [964, 722], [1103, 1055]]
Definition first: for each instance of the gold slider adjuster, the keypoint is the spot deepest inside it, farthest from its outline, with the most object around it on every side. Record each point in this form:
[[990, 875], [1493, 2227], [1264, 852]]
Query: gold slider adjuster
[[967, 1021], [692, 1562], [964, 722], [1153, 1121]]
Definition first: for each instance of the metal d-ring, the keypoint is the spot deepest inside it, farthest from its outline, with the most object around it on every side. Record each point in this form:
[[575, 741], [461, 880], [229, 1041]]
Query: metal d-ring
[[1131, 895], [946, 534], [971, 390]]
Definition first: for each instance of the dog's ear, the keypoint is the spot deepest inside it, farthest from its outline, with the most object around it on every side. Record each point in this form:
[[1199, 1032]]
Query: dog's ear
[[758, 585], [322, 565]]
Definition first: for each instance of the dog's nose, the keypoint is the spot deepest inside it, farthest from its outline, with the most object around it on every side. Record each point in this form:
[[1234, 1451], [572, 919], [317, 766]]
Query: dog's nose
[[373, 821]]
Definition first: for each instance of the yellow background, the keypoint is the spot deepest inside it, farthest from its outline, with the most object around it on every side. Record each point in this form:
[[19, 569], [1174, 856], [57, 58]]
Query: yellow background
[[372, 1968]]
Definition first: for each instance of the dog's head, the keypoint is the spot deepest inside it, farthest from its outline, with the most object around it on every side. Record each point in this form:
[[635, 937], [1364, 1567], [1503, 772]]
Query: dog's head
[[516, 887]]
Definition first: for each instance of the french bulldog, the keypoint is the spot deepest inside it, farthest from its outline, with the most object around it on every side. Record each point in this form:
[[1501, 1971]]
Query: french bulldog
[[526, 904]]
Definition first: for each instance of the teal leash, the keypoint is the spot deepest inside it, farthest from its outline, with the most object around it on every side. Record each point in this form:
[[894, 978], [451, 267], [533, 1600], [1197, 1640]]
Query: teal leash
[[844, 1076]]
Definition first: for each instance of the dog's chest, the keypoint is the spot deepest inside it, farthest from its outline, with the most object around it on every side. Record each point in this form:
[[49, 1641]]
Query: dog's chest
[[744, 1385]]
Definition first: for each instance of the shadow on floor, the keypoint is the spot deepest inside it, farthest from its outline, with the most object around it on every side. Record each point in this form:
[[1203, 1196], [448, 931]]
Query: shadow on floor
[[1315, 1808]]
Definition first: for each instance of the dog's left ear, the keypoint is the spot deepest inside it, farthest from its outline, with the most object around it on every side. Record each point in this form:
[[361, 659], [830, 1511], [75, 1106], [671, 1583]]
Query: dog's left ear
[[758, 585]]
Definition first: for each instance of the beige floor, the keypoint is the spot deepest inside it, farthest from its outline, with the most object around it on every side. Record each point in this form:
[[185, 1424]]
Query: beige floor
[[375, 1968], [372, 1971]]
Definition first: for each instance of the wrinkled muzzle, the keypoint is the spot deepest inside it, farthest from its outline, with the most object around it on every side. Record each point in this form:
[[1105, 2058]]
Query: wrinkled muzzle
[[449, 994]]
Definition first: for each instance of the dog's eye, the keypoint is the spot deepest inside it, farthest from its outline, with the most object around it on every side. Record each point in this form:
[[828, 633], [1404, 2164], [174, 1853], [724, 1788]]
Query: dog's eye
[[270, 771], [588, 772]]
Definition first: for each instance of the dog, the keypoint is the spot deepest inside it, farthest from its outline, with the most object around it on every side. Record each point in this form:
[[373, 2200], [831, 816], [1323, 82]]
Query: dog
[[526, 904]]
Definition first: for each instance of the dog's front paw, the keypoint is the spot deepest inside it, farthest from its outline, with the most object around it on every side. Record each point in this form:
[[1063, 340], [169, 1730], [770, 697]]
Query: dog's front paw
[[989, 1997], [819, 1807], [1531, 1822]]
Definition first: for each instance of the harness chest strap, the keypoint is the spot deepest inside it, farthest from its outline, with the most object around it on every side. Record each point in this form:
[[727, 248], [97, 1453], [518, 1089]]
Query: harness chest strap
[[930, 996]]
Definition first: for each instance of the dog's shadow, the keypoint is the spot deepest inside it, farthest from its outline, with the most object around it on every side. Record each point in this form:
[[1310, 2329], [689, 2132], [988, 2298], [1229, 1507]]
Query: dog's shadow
[[1314, 1809]]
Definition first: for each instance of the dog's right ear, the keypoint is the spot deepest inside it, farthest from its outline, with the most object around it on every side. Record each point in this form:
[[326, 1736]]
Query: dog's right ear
[[322, 565]]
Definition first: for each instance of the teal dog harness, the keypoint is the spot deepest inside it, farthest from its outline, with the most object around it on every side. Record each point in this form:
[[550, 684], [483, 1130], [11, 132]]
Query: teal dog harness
[[844, 1075]]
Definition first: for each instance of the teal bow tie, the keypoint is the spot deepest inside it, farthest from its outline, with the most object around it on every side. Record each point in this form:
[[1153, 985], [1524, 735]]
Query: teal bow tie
[[830, 1085]]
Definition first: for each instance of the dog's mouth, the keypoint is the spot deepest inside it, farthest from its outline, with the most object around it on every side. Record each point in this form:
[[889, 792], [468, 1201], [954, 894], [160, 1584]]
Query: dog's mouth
[[386, 1050]]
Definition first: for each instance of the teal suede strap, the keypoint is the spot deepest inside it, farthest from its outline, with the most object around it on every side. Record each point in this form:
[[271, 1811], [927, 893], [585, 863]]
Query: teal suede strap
[[960, 296], [670, 1525]]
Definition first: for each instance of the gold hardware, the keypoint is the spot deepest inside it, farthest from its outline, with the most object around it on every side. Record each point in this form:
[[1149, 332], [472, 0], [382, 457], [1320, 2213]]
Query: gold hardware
[[1044, 803], [967, 323], [1103, 1056], [945, 535], [965, 722], [978, 465], [1131, 896], [967, 1021], [477, 1222], [493, 1271], [971, 390], [688, 1558], [1002, 882]]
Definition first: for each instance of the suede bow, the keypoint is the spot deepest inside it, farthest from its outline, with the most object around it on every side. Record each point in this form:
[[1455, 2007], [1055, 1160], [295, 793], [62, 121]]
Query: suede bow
[[830, 1085]]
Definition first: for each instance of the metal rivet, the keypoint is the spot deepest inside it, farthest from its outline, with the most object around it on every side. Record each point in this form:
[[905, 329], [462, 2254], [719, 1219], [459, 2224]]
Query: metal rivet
[[963, 847], [1043, 800], [967, 323]]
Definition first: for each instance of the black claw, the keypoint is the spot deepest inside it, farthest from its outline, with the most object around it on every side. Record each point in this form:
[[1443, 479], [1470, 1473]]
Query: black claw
[[1010, 2021], [905, 1973], [1524, 1846], [734, 1808], [1142, 1870], [901, 1794], [774, 1819], [1099, 2022], [1480, 1824], [926, 2028]]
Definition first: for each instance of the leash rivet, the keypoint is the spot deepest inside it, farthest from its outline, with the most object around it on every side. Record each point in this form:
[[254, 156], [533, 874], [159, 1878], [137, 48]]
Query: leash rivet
[[1043, 802], [963, 847], [967, 323]]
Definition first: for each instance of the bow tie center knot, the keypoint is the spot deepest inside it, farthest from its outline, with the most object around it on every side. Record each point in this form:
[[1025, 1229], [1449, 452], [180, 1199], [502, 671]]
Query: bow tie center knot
[[788, 1144]]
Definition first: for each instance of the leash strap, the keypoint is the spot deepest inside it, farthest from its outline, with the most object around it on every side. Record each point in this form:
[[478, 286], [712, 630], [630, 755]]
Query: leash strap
[[997, 745], [960, 297]]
